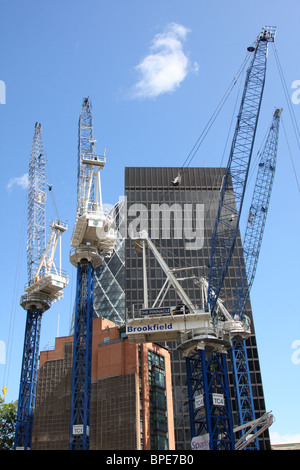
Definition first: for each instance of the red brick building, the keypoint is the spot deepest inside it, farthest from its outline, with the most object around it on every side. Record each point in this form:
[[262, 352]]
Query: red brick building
[[131, 405]]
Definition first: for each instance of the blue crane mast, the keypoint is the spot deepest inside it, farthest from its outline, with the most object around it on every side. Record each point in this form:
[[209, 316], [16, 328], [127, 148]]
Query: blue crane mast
[[246, 273], [207, 370], [93, 239], [45, 284]]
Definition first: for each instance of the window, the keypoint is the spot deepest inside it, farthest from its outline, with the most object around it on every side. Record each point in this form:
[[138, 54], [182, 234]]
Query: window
[[158, 400], [159, 442], [159, 421], [159, 379]]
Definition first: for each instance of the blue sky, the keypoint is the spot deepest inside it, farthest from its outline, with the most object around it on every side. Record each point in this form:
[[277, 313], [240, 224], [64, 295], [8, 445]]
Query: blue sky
[[155, 72]]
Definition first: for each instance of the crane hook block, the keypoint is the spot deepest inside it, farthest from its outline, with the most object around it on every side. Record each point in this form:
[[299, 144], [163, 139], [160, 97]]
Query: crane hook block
[[176, 181]]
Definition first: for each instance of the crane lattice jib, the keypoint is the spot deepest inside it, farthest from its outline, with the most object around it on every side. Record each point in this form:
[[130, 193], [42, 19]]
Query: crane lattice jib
[[257, 217], [235, 178], [85, 151], [36, 224]]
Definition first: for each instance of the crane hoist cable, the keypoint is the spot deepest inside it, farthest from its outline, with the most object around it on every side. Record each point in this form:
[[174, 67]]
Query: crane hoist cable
[[208, 126], [290, 108], [176, 181], [11, 329], [50, 187], [195, 148], [290, 154], [215, 114], [291, 112]]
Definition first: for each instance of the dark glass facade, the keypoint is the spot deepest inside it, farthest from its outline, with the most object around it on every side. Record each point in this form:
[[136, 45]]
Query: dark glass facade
[[180, 220], [109, 295]]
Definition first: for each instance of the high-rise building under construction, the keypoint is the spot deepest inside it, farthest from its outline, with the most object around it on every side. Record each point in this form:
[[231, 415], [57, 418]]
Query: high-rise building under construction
[[179, 219]]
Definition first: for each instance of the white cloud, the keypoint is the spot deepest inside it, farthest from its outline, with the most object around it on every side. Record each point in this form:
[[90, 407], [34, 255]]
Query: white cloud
[[166, 65], [276, 438], [21, 181]]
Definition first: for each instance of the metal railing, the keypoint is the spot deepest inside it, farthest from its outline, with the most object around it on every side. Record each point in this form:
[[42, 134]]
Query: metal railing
[[48, 271]]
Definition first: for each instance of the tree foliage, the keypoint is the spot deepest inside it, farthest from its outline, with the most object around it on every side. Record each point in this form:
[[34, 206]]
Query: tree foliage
[[8, 417]]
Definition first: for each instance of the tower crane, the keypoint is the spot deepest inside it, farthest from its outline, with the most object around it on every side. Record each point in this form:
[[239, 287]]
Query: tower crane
[[206, 334], [93, 239], [246, 272], [217, 421], [46, 283]]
